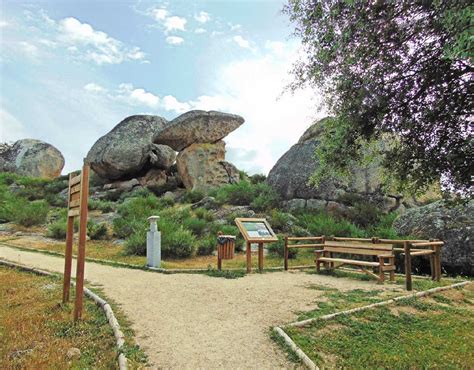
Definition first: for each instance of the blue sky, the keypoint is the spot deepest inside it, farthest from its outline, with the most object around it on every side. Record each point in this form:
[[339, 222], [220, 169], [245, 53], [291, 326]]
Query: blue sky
[[71, 70]]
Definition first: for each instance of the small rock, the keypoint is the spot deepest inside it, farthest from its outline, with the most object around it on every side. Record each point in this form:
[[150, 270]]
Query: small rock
[[207, 203], [73, 353]]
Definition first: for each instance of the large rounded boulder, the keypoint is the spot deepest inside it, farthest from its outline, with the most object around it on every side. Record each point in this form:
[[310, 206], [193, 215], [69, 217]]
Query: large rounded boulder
[[197, 127], [291, 174], [30, 157], [452, 224], [127, 149]]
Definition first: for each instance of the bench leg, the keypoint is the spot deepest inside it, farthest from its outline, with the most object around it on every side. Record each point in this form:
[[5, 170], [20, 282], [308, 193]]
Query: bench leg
[[392, 272], [381, 271], [317, 255], [432, 267]]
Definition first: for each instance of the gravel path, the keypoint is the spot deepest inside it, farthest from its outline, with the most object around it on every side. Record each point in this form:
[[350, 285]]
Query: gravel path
[[196, 321]]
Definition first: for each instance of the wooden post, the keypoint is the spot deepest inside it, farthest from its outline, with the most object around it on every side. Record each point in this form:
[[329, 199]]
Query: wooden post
[[286, 253], [249, 258], [219, 257], [437, 264], [406, 247], [68, 258], [82, 242], [381, 271], [260, 257]]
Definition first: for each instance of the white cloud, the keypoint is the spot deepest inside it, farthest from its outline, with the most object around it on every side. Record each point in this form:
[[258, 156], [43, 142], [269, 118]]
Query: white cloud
[[11, 128], [97, 46], [93, 87], [174, 40], [175, 23], [234, 27], [132, 96], [159, 14], [170, 103], [3, 23], [200, 30], [29, 49], [202, 17], [243, 43], [276, 47]]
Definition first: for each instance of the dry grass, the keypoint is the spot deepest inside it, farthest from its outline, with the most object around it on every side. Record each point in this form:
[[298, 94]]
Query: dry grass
[[36, 331]]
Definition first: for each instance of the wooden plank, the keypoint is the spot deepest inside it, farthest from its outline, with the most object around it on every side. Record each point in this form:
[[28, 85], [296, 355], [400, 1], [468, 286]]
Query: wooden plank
[[81, 255], [286, 254], [305, 245], [297, 238], [249, 257], [422, 253], [429, 244], [75, 196], [74, 203], [73, 212], [408, 281], [397, 241], [75, 180], [349, 262], [339, 238], [365, 252], [75, 189], [359, 246], [260, 257], [68, 259]]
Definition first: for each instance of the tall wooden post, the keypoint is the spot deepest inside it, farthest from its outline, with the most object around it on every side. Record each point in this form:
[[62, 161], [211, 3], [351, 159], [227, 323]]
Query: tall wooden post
[[260, 257], [437, 264], [286, 253], [82, 242], [68, 258], [406, 247], [249, 257]]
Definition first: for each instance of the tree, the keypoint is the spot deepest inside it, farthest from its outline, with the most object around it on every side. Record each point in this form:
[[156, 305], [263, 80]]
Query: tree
[[392, 69]]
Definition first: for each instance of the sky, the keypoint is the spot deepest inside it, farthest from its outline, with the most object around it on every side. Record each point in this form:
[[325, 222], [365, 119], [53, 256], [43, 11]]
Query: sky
[[72, 70]]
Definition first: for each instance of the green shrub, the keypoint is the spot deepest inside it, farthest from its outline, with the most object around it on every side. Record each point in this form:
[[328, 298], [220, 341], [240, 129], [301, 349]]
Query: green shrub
[[101, 205], [279, 220], [97, 231], [179, 244], [136, 243], [204, 214], [240, 194], [364, 214], [257, 178], [278, 249], [384, 228], [193, 196], [206, 246], [57, 230], [195, 225], [28, 213], [324, 224]]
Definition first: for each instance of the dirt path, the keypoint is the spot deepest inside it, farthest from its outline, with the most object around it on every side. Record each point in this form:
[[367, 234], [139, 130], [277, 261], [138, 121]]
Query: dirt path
[[196, 321]]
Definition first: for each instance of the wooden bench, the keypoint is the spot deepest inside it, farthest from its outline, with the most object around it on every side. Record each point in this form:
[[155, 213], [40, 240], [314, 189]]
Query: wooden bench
[[384, 254]]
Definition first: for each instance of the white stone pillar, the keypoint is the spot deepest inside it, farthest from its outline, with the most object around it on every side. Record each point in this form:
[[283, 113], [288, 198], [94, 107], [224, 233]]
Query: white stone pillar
[[153, 243]]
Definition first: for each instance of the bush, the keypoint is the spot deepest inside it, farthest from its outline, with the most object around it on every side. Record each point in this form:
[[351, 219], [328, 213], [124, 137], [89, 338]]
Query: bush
[[179, 244], [204, 214], [193, 196], [279, 220], [136, 243], [324, 224], [257, 178], [259, 196], [97, 231], [28, 213], [196, 225], [101, 205], [57, 230], [365, 214], [206, 246], [278, 249]]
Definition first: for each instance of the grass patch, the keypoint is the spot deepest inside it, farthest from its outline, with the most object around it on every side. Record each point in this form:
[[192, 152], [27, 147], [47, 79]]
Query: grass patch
[[414, 333], [37, 331]]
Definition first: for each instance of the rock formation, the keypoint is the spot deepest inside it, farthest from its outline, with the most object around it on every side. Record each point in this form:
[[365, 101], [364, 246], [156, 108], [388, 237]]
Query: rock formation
[[126, 150], [202, 166], [144, 148], [197, 126], [453, 225], [290, 177], [30, 157]]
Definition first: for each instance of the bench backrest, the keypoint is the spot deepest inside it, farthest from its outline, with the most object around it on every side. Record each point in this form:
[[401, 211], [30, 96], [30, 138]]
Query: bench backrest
[[355, 248]]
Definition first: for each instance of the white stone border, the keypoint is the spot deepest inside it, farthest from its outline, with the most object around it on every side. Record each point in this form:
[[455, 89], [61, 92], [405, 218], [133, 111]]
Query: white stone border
[[308, 362], [102, 303]]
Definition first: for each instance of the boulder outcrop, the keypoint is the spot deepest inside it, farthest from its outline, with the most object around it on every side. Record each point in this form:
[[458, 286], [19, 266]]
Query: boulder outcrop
[[30, 157], [197, 126], [126, 150], [203, 166], [290, 176], [453, 225]]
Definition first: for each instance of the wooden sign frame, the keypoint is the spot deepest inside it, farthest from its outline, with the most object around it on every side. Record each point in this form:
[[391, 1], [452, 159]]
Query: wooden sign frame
[[252, 239], [77, 207]]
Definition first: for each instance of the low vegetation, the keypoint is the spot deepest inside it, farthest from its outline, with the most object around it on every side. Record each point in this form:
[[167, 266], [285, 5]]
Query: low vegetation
[[432, 332]]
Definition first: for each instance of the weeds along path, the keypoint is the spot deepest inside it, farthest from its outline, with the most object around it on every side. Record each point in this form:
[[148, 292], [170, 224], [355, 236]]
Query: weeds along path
[[197, 321]]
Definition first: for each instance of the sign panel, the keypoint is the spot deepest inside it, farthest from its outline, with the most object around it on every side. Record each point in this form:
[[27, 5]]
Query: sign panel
[[256, 230]]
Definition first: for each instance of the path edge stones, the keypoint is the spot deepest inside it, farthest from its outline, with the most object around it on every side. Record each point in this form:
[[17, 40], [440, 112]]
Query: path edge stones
[[99, 301]]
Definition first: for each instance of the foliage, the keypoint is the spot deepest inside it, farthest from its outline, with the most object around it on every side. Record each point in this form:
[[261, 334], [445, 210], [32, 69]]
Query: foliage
[[28, 213], [204, 214], [206, 245], [193, 196], [324, 224], [278, 249], [57, 230], [97, 231], [257, 178], [259, 196], [398, 71], [101, 205], [195, 225], [180, 244], [279, 220]]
